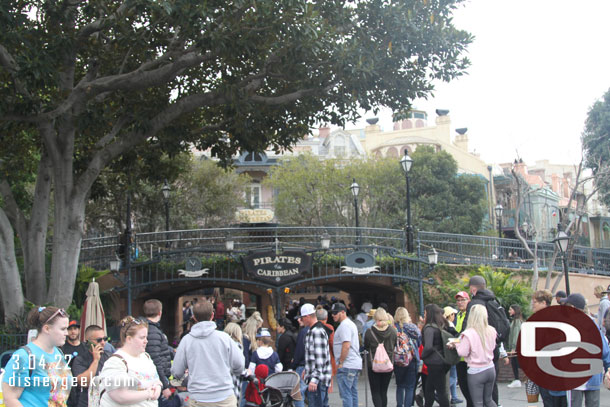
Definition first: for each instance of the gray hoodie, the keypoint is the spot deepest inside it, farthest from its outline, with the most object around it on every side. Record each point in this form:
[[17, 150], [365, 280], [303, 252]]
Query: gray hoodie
[[210, 356]]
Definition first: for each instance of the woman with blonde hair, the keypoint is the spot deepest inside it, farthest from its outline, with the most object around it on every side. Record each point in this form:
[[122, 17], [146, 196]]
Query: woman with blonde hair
[[249, 329], [129, 377], [476, 346], [234, 331], [380, 333], [406, 376]]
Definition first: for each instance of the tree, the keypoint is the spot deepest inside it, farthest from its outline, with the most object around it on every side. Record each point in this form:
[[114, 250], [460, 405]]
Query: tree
[[596, 144], [91, 81], [442, 199], [315, 193]]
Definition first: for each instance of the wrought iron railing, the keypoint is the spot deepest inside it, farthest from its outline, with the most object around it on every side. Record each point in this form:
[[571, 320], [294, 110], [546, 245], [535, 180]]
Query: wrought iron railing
[[452, 248], [9, 342]]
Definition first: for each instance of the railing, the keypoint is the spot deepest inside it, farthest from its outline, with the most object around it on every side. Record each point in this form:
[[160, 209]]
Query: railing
[[452, 248], [12, 341]]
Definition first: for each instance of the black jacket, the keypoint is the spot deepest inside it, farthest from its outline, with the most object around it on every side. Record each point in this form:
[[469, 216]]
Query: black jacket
[[374, 336], [481, 298], [285, 348], [159, 351]]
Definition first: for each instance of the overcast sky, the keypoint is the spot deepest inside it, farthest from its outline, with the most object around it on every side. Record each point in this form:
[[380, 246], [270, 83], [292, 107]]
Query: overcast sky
[[537, 67]]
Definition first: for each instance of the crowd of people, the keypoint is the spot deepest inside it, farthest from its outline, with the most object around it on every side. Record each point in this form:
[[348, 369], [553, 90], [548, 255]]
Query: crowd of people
[[329, 344]]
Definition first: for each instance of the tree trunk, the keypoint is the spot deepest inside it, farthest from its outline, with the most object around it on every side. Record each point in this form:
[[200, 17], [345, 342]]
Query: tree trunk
[[67, 239], [10, 281], [535, 275]]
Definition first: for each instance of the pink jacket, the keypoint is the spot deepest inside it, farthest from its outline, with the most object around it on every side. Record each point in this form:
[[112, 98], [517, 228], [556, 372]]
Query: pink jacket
[[471, 348]]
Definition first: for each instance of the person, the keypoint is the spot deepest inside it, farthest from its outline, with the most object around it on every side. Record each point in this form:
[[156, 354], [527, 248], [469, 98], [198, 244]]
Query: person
[[210, 356], [482, 295], [317, 373], [365, 308], [379, 333], [432, 355], [590, 391], [249, 329], [540, 300], [370, 321], [73, 347], [158, 348], [322, 316], [187, 313], [559, 295], [220, 314], [242, 311], [450, 313], [90, 363], [604, 305], [129, 377], [476, 345], [37, 374], [462, 299], [234, 331], [515, 326], [298, 360], [346, 346], [286, 342], [406, 376], [265, 355]]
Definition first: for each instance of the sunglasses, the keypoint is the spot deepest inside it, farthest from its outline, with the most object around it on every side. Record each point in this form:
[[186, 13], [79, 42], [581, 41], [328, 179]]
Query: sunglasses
[[99, 340], [60, 311], [131, 321]]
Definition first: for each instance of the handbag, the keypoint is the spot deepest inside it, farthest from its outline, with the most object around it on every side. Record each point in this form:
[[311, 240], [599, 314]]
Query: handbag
[[532, 391]]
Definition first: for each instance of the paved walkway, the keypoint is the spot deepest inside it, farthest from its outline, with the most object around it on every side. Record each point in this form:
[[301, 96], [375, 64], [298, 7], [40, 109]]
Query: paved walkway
[[508, 397]]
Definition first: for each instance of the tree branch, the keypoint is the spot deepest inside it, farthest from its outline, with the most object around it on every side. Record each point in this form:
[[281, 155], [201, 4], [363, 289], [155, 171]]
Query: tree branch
[[13, 213], [8, 62]]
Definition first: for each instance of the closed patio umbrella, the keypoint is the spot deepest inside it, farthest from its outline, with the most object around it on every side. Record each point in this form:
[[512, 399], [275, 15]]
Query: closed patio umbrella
[[93, 311]]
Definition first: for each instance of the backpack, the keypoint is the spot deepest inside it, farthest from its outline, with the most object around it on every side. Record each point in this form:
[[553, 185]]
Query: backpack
[[449, 356], [404, 351], [94, 392], [381, 360], [496, 316]]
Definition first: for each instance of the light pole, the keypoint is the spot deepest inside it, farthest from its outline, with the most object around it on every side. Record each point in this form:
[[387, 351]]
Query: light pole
[[166, 190], [499, 211], [406, 162], [432, 261], [561, 241], [355, 188]]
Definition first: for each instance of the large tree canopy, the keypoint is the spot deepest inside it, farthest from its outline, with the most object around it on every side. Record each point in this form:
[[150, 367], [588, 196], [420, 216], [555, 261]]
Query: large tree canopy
[[316, 193], [596, 144], [84, 82]]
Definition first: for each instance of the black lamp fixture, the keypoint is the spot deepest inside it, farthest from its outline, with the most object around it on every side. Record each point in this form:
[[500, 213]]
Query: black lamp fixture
[[499, 209], [561, 241], [229, 244], [405, 163], [325, 241], [355, 188], [433, 257], [166, 191]]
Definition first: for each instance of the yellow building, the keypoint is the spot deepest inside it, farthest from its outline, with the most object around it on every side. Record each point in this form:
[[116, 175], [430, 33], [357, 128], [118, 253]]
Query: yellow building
[[414, 131]]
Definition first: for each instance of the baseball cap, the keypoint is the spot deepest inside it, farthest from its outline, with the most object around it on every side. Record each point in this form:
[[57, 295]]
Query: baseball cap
[[477, 281], [337, 307], [463, 294], [74, 323], [576, 300], [561, 294], [607, 291], [448, 311], [262, 333], [307, 309]]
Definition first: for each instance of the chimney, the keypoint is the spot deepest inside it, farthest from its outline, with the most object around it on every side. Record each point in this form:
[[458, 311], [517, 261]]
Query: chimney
[[461, 140], [565, 187], [520, 167], [323, 132], [555, 183]]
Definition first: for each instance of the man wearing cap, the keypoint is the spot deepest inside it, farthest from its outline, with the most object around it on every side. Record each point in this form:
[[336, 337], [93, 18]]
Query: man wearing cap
[[317, 372], [589, 392], [559, 295], [462, 300], [73, 347], [604, 305], [347, 355]]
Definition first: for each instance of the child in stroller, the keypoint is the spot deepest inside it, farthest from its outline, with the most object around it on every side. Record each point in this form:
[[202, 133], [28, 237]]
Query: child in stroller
[[276, 390]]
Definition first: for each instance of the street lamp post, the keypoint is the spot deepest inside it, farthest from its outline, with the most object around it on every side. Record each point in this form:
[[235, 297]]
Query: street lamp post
[[355, 188], [432, 261], [498, 209], [562, 241], [166, 190], [406, 162]]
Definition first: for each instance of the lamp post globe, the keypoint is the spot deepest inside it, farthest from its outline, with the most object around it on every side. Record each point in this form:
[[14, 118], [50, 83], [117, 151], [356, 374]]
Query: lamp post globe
[[166, 191], [355, 188]]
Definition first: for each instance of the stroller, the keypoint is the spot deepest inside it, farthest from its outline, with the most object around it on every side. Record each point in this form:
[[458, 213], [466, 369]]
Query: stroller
[[279, 390]]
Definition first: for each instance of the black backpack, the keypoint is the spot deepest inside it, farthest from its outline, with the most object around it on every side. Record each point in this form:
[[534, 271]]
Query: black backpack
[[496, 317]]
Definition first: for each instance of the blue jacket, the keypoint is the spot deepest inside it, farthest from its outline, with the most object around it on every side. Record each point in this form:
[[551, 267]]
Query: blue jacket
[[595, 381], [299, 351]]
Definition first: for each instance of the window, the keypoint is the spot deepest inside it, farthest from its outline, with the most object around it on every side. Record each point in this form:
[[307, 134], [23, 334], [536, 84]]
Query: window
[[253, 195]]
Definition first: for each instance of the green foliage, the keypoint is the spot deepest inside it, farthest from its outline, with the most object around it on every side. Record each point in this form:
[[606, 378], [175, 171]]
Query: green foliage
[[316, 193], [508, 289], [444, 201], [596, 144]]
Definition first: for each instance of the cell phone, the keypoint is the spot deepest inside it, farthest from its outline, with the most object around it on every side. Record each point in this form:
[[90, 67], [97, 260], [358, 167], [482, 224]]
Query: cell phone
[[91, 344]]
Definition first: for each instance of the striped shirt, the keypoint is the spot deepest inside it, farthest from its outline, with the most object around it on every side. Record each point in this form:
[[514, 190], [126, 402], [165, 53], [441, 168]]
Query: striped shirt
[[317, 356]]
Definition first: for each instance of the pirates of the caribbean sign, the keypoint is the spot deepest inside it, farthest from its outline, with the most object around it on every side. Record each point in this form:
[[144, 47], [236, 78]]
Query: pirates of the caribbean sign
[[277, 268]]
